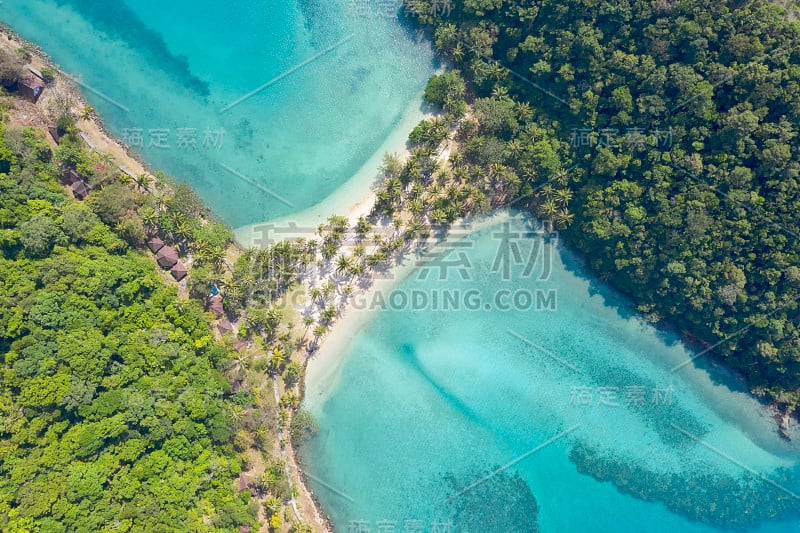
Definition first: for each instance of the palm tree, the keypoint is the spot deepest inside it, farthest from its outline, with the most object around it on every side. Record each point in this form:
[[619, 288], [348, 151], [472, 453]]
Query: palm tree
[[447, 34], [149, 217], [142, 181], [236, 412], [561, 176], [276, 360], [392, 166], [451, 192], [329, 250], [363, 226], [315, 293], [343, 263], [216, 257], [514, 147], [499, 91], [87, 112], [320, 331], [416, 206], [497, 71], [328, 314], [548, 208], [328, 288], [414, 229], [308, 321], [458, 53], [413, 170], [439, 216], [234, 291], [563, 196], [358, 269], [183, 228], [239, 366], [524, 111], [201, 250], [395, 187], [564, 218]]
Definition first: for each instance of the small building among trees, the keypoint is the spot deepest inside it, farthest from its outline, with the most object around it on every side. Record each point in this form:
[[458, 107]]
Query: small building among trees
[[80, 190], [54, 133], [179, 271], [167, 257], [225, 327], [155, 244], [214, 305], [69, 176]]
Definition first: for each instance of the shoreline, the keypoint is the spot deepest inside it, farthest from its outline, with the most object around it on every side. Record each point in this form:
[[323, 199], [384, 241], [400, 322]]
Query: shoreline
[[353, 198], [325, 363], [324, 366], [105, 142], [64, 86]]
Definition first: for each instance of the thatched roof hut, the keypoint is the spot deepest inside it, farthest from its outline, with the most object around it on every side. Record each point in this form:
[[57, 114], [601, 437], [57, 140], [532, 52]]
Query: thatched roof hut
[[179, 271], [214, 304], [244, 483], [80, 190], [30, 87], [155, 244], [70, 176], [225, 327], [167, 257]]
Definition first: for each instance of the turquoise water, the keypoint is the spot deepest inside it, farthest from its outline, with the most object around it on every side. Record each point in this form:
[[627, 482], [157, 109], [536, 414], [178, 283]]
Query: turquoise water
[[425, 403], [170, 71], [428, 405]]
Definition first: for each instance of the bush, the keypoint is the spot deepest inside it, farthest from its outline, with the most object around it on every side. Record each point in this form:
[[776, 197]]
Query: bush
[[303, 427], [66, 125], [48, 74]]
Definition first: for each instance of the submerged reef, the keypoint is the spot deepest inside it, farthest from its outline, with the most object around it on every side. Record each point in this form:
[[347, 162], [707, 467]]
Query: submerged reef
[[500, 501], [718, 499]]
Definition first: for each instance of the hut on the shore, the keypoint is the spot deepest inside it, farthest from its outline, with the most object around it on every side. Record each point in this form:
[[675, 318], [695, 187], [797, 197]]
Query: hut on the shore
[[30, 86], [214, 305], [167, 257], [80, 190], [179, 271], [225, 327], [155, 244]]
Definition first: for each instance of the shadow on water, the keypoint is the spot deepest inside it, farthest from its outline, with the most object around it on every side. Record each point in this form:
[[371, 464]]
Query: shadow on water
[[122, 23], [410, 357]]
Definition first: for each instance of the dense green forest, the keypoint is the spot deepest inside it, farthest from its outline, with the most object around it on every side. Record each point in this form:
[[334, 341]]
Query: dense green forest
[[661, 137], [115, 413]]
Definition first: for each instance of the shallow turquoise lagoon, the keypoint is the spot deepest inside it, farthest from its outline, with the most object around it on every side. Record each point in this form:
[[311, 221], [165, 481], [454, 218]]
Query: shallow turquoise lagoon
[[562, 417], [172, 78]]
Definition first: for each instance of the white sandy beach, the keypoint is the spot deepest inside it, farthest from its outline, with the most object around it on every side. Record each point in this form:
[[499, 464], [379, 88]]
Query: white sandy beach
[[324, 366], [353, 199]]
